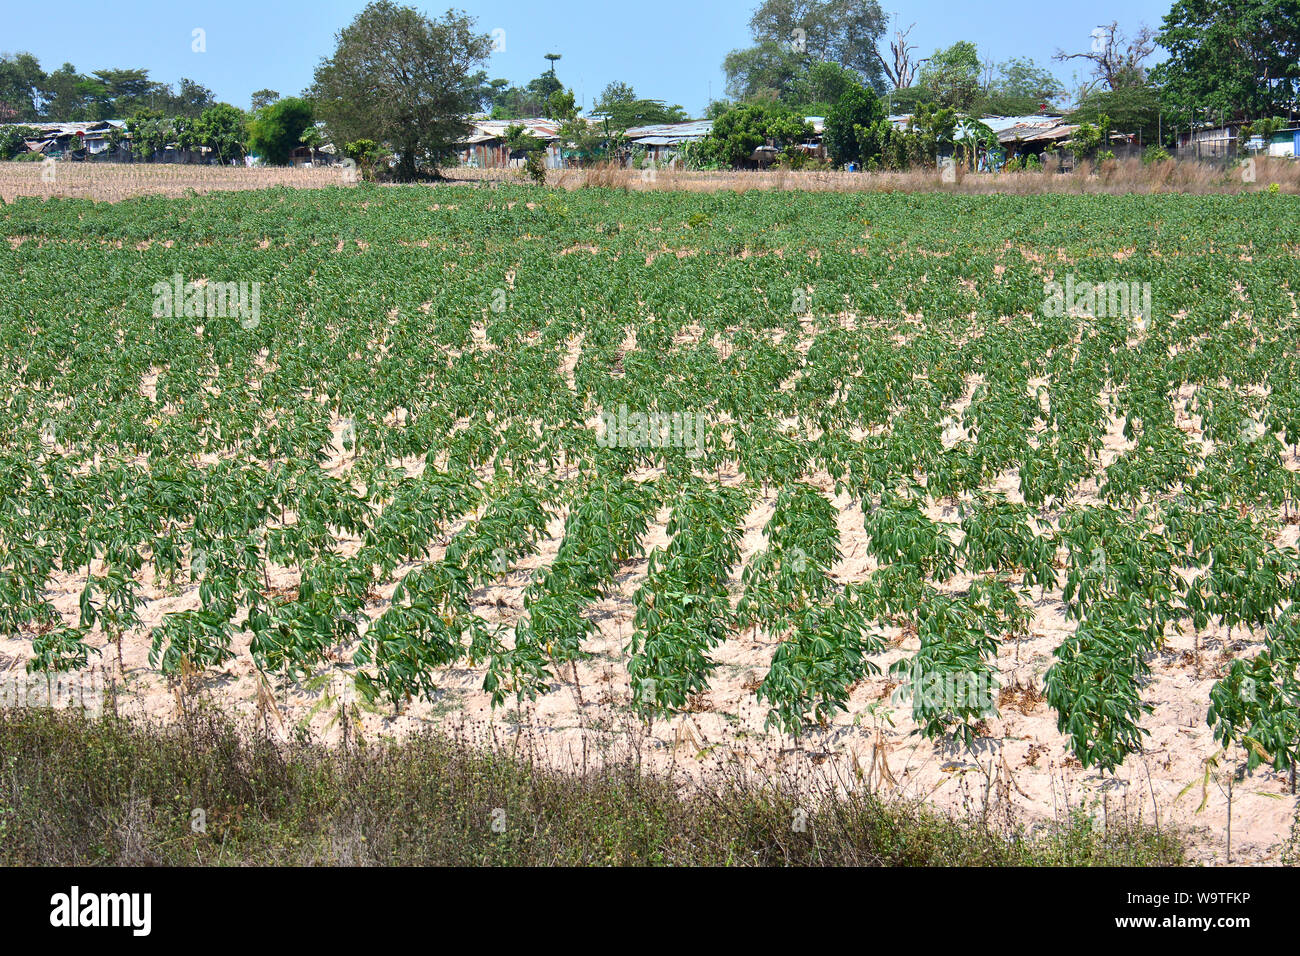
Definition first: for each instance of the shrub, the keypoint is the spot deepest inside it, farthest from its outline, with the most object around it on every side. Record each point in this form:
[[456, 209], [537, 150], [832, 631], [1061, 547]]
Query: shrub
[[1154, 154], [367, 154], [535, 166]]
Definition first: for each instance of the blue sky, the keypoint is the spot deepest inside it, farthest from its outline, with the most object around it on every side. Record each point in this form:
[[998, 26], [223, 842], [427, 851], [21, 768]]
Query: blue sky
[[667, 49]]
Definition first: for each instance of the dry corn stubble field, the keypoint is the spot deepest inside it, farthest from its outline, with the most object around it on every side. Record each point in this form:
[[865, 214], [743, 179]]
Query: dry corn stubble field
[[277, 506], [112, 182]]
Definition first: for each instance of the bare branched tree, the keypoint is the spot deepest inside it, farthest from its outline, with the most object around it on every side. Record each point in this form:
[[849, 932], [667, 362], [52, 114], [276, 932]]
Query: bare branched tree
[[1117, 60], [900, 69]]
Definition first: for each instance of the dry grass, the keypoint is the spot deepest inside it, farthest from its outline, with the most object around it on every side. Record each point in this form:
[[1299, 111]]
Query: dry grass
[[1114, 177], [115, 181], [112, 182], [81, 792]]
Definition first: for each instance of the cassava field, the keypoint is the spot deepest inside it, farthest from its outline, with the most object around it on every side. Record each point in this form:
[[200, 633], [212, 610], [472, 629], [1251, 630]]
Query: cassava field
[[988, 501]]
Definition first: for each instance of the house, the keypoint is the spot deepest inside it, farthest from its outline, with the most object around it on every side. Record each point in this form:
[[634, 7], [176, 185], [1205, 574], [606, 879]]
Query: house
[[485, 147], [814, 147], [662, 142], [1209, 142], [1029, 135], [99, 139], [1285, 143]]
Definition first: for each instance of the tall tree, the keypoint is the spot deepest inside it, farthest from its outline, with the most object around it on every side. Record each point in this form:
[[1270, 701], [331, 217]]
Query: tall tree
[[400, 78], [620, 105], [1240, 58], [819, 87], [857, 109], [1018, 86], [1117, 59], [506, 102], [952, 76], [791, 35], [62, 97], [617, 92], [764, 71], [222, 129], [21, 77], [191, 98], [262, 98], [837, 31], [1130, 109], [900, 67], [150, 131]]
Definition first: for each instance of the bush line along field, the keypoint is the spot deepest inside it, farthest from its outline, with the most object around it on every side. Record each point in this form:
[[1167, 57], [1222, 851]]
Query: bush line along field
[[867, 445]]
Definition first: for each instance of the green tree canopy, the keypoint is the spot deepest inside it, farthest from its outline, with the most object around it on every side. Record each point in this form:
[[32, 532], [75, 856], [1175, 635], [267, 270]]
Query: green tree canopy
[[833, 31], [150, 131], [506, 102], [742, 129], [1132, 109], [818, 88], [620, 105], [276, 131], [1019, 86], [190, 99], [400, 78], [262, 98], [561, 106], [222, 129], [12, 140], [792, 36], [1239, 58], [951, 77], [21, 78], [857, 108], [766, 68]]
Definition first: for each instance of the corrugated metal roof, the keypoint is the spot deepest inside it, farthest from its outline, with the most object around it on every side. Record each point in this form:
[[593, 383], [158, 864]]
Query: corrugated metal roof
[[1001, 123], [676, 132], [1026, 126], [1028, 132], [63, 129], [485, 130], [669, 134]]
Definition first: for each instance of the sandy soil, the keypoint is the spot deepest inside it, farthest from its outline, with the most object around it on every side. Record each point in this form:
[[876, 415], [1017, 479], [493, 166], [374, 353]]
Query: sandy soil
[[1021, 769]]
